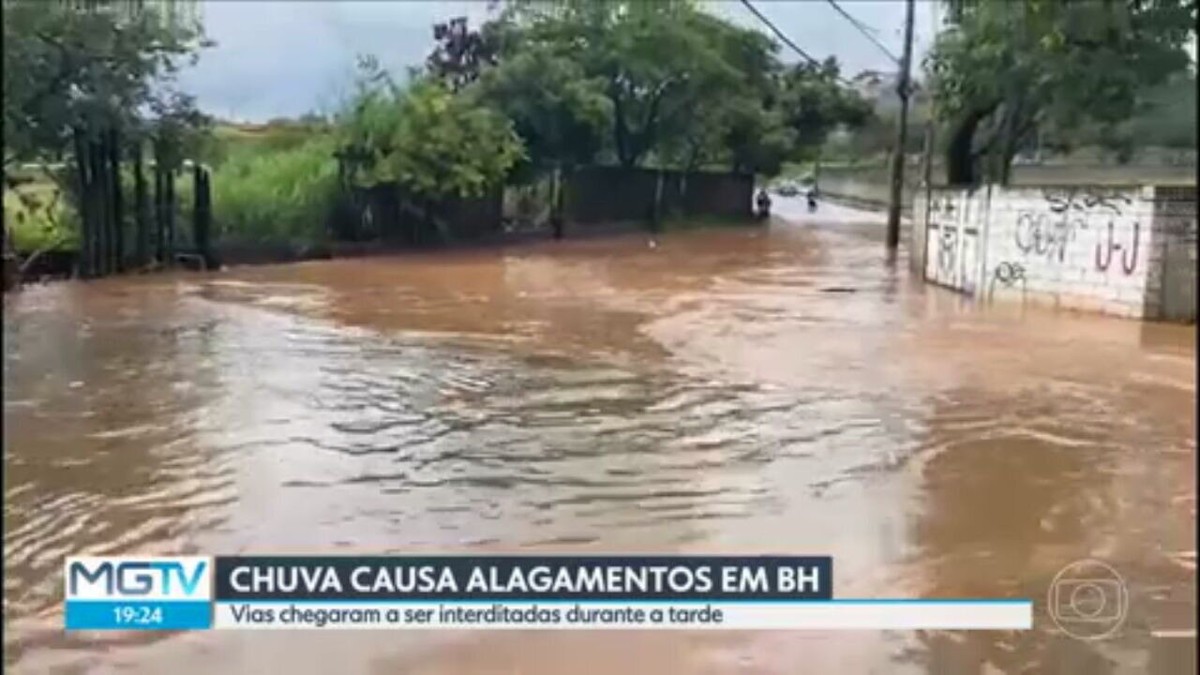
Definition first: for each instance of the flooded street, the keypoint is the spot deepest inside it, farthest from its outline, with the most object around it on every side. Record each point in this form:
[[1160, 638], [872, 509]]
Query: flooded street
[[780, 390]]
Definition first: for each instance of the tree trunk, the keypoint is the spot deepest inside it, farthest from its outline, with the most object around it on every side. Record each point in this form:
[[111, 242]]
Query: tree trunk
[[11, 273], [118, 206], [557, 189], [160, 217], [139, 207], [102, 214], [202, 215], [960, 157], [169, 210], [621, 133], [693, 159], [87, 222]]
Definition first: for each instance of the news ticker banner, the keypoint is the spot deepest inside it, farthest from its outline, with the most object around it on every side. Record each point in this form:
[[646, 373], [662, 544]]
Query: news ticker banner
[[497, 592]]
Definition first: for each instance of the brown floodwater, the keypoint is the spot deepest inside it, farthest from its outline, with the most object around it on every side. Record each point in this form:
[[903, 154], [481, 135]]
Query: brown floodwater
[[781, 390]]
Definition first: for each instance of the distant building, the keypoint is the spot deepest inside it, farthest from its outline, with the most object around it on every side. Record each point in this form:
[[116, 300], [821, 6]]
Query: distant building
[[880, 89], [877, 87]]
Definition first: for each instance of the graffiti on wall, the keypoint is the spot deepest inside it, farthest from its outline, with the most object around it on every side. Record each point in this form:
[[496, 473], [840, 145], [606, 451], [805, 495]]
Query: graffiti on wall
[[947, 256], [1086, 199], [1106, 248], [1046, 234], [1129, 250], [952, 251], [1007, 275], [1049, 231]]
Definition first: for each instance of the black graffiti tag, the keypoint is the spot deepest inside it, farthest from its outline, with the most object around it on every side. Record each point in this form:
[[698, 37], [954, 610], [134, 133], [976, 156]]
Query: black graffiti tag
[[1007, 274], [942, 204], [1105, 249], [947, 252], [1085, 199], [1040, 234]]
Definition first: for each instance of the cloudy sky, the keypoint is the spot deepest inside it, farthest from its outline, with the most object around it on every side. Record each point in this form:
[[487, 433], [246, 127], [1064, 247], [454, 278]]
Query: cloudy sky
[[287, 57]]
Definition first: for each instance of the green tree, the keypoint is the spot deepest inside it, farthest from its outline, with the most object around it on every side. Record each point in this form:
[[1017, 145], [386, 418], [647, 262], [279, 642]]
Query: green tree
[[758, 140], [433, 143], [444, 146], [91, 66], [1004, 70], [814, 103], [654, 59], [734, 117], [684, 88], [559, 113], [76, 69], [461, 54], [365, 126], [1164, 117]]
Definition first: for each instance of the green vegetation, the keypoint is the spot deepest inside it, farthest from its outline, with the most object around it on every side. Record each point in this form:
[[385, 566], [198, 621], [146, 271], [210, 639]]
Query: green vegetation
[[662, 84], [72, 72], [545, 87], [433, 144], [1005, 71], [39, 218], [111, 64], [229, 140], [275, 195]]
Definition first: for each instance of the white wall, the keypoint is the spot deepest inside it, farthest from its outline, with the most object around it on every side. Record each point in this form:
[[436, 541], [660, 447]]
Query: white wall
[[1086, 248]]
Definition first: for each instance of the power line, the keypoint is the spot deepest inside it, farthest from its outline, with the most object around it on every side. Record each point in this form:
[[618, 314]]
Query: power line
[[864, 29], [786, 40], [778, 33]]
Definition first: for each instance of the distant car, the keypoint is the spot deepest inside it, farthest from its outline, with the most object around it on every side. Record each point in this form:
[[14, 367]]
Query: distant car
[[787, 189]]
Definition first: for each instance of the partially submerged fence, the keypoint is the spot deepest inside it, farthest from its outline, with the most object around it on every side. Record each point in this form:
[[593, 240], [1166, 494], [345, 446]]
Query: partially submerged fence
[[385, 212], [590, 196], [110, 240], [125, 221], [602, 194]]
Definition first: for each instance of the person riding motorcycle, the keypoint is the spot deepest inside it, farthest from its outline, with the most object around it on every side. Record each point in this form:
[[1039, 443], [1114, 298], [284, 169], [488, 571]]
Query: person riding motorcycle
[[811, 195], [762, 203]]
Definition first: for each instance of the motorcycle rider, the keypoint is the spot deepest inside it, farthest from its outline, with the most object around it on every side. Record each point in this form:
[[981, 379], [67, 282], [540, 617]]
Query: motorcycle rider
[[762, 203], [811, 195]]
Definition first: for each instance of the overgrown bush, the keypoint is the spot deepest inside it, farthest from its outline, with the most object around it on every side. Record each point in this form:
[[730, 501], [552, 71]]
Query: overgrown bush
[[284, 195], [40, 217]]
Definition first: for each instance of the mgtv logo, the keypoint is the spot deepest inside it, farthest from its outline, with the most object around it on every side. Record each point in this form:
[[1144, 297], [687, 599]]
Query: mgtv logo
[[127, 578]]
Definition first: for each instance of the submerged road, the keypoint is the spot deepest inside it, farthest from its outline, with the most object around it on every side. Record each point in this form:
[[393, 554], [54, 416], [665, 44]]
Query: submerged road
[[754, 390]]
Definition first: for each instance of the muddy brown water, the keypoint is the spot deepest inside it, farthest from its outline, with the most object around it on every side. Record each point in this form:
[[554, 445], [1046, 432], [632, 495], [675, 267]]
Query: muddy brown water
[[729, 391]]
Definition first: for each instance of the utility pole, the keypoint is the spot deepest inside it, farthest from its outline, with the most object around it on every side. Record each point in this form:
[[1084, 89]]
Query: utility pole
[[902, 88]]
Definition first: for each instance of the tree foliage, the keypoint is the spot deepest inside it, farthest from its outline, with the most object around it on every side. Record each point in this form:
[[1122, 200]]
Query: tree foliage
[[1004, 70], [92, 66], [1164, 118], [77, 71], [814, 103], [461, 54], [656, 82], [649, 58], [433, 143], [558, 112]]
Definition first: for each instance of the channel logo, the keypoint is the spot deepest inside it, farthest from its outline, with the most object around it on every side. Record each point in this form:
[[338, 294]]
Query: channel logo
[[1088, 600], [134, 593]]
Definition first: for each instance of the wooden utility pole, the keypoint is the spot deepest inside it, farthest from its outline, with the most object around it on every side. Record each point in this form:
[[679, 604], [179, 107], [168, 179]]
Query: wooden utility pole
[[902, 89]]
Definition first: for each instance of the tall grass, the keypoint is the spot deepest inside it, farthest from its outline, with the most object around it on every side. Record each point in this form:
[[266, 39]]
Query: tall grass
[[279, 191], [276, 195]]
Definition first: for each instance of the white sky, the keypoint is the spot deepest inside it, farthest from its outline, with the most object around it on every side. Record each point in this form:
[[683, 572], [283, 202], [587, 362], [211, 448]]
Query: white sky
[[287, 57]]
